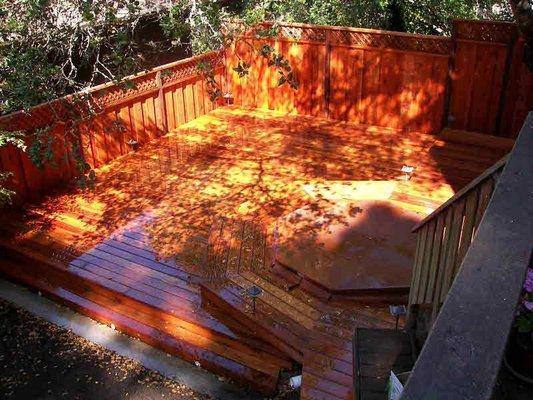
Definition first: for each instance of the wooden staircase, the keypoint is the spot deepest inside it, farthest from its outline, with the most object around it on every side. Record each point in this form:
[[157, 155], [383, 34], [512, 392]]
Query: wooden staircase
[[120, 282], [315, 333]]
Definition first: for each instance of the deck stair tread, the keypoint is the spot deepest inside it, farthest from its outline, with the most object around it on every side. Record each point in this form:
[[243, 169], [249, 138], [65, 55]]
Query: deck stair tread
[[290, 323], [165, 311], [126, 321]]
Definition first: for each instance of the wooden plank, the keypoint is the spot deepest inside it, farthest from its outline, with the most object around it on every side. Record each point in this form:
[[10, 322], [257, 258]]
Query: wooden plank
[[452, 244], [485, 193], [170, 108], [137, 122], [441, 270], [125, 120], [346, 69], [488, 76], [434, 262], [149, 118], [429, 250], [113, 134], [462, 85], [190, 109], [276, 334], [438, 94], [467, 233], [370, 96], [100, 145], [418, 264], [179, 101]]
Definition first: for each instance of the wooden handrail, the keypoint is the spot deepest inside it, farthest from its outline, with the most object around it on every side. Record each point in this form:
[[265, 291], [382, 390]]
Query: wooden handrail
[[461, 193], [462, 355]]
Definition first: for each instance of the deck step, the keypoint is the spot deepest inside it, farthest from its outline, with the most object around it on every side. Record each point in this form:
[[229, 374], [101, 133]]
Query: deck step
[[245, 359], [265, 323]]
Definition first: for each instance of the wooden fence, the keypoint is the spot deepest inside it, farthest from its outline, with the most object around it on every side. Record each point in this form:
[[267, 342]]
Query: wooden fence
[[444, 237], [160, 100], [474, 80]]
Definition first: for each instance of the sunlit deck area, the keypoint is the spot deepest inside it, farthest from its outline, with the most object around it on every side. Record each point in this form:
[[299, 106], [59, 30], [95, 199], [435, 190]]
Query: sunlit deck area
[[317, 213]]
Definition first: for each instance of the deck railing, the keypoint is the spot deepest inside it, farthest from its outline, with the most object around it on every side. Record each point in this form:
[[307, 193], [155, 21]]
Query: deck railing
[[462, 354], [444, 237], [158, 101]]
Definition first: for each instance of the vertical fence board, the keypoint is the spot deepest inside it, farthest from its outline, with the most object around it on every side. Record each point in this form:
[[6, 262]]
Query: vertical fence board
[[125, 120], [99, 141], [370, 96], [468, 227], [149, 121], [189, 102], [420, 247], [113, 134], [346, 79], [179, 100], [137, 119], [170, 109]]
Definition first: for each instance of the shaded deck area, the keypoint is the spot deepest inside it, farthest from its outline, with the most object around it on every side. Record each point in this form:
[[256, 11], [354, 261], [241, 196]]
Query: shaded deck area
[[173, 235]]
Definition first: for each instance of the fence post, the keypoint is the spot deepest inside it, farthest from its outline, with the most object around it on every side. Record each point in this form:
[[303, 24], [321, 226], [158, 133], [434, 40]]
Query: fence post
[[162, 104], [327, 74]]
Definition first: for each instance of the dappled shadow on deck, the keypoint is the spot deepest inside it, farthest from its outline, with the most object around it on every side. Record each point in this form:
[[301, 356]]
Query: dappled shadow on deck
[[202, 183], [218, 201]]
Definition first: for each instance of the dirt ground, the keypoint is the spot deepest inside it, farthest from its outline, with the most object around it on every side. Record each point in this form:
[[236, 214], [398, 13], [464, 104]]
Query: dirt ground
[[39, 360]]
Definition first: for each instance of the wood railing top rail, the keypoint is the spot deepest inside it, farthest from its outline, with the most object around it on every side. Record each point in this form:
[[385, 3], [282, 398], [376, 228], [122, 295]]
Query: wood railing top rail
[[462, 355], [461, 193]]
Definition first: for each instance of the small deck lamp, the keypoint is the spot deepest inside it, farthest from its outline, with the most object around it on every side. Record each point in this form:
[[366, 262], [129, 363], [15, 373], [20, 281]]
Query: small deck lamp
[[133, 144], [397, 310], [254, 292], [408, 170], [228, 98]]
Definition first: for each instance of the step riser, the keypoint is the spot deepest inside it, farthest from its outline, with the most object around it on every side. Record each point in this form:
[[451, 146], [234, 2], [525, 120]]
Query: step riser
[[253, 326], [63, 287]]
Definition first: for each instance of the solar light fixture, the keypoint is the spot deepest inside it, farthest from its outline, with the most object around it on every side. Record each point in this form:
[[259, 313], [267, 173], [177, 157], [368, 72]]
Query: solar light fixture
[[254, 292], [228, 98], [408, 171], [397, 310], [133, 144]]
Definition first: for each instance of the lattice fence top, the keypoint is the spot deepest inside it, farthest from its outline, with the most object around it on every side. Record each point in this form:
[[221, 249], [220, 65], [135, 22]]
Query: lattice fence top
[[485, 31], [367, 38], [425, 44], [106, 96]]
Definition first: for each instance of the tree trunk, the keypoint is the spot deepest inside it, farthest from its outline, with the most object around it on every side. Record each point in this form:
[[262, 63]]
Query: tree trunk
[[523, 13]]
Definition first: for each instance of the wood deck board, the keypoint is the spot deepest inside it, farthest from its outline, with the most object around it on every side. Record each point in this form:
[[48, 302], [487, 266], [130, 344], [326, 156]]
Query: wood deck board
[[129, 250]]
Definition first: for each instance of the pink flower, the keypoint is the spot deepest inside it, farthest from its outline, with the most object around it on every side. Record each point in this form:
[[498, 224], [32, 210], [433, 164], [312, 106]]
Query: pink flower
[[528, 284], [528, 305]]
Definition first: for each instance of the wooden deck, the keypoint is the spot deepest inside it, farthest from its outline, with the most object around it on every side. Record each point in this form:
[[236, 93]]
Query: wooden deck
[[171, 237]]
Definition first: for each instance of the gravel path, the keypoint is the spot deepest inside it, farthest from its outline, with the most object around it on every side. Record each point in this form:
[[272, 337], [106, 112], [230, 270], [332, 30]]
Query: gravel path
[[39, 360]]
